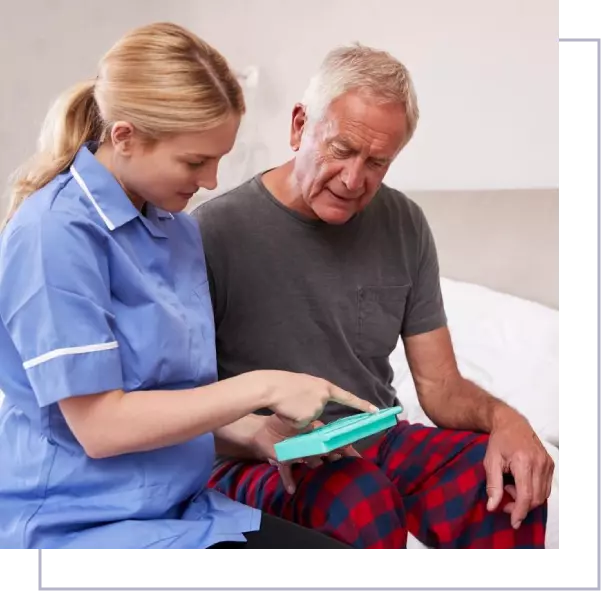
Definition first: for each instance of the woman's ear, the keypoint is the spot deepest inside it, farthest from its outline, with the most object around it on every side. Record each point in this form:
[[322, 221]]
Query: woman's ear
[[122, 138]]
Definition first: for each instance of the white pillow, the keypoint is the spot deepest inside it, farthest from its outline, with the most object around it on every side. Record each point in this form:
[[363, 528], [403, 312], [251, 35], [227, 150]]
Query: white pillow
[[507, 345]]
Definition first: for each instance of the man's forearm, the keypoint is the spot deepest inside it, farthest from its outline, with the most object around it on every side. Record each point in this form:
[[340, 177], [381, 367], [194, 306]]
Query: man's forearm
[[461, 404]]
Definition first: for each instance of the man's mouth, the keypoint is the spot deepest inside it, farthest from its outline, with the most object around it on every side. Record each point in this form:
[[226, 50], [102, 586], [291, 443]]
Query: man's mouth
[[342, 198]]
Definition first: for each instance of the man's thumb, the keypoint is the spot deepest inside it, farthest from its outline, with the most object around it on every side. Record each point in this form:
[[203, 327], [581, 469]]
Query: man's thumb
[[494, 482]]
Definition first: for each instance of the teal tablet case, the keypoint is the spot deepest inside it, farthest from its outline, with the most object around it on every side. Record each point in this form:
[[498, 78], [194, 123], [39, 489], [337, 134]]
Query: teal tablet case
[[336, 434]]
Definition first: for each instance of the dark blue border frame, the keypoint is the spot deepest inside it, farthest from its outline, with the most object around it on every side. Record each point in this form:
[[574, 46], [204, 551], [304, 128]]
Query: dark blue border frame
[[597, 45]]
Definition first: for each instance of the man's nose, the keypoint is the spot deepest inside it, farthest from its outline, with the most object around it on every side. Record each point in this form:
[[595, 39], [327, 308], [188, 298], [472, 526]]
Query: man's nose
[[353, 175]]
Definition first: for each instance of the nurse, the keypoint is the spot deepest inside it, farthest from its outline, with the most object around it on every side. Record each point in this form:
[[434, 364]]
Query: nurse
[[107, 348]]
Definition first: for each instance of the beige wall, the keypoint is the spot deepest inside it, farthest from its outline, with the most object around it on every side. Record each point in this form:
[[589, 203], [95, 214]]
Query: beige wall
[[486, 74]]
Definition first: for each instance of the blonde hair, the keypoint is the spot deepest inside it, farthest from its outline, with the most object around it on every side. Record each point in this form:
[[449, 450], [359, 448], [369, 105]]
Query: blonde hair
[[161, 78], [358, 67]]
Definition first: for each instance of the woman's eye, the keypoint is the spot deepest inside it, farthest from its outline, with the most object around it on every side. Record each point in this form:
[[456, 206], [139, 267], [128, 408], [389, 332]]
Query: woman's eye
[[195, 165]]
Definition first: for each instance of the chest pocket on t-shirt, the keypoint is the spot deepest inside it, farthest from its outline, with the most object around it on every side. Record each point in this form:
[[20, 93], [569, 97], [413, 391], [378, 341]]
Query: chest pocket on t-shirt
[[380, 312]]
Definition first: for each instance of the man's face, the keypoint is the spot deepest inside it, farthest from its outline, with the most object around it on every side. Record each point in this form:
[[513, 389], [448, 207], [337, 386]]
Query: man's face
[[342, 159]]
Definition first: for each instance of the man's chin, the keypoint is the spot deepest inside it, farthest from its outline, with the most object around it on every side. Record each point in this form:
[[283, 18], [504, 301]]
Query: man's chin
[[334, 210], [334, 216]]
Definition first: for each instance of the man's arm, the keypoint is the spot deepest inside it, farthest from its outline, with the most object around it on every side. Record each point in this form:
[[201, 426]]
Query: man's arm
[[448, 399], [236, 440], [453, 402]]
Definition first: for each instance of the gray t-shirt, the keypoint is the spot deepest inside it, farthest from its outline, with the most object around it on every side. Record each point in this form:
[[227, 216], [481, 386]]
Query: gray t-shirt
[[297, 294]]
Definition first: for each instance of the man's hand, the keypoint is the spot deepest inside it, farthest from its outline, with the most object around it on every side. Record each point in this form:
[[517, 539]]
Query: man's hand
[[272, 431], [514, 448]]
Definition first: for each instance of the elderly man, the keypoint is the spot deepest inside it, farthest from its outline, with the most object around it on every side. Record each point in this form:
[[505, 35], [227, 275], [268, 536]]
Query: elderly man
[[317, 267]]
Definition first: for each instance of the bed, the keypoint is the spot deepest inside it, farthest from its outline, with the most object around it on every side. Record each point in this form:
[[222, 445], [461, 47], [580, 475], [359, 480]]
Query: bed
[[499, 263]]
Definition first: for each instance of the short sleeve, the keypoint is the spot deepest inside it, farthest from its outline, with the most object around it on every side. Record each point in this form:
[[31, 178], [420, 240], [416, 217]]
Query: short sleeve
[[55, 304], [425, 308]]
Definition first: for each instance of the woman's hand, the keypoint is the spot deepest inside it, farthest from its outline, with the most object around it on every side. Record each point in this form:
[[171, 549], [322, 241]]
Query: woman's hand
[[299, 399], [273, 430]]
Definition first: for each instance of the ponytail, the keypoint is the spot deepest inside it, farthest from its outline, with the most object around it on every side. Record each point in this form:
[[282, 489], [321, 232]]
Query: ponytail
[[73, 120]]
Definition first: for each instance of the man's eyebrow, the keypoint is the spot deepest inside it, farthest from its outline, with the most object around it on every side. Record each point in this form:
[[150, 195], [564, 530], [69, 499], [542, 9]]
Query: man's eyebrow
[[380, 160], [349, 145], [339, 139]]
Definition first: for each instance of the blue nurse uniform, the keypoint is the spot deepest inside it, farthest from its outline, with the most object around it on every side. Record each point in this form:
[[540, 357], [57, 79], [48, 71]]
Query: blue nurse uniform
[[95, 296]]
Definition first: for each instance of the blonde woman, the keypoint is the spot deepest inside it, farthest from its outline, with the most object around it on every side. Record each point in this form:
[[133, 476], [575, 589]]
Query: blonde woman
[[107, 346]]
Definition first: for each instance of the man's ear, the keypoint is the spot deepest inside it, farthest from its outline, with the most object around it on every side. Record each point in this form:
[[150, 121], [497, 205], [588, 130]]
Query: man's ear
[[123, 137], [299, 120]]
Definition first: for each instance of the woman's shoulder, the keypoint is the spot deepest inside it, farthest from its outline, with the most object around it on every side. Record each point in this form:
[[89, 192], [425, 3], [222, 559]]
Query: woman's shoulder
[[58, 202], [36, 224]]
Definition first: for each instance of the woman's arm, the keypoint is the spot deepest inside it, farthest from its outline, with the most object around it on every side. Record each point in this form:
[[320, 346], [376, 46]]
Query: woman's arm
[[115, 423]]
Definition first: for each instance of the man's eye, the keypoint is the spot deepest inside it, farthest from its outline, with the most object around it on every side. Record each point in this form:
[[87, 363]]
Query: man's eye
[[196, 165], [341, 152]]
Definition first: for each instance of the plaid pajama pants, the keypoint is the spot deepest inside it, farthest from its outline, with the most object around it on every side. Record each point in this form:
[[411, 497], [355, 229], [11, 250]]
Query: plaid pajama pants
[[427, 481]]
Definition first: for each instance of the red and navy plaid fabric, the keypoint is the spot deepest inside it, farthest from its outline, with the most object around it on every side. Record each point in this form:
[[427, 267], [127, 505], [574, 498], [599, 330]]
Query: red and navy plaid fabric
[[430, 482]]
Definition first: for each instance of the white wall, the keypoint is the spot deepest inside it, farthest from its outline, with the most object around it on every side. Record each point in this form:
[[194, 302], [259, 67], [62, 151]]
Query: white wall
[[486, 74]]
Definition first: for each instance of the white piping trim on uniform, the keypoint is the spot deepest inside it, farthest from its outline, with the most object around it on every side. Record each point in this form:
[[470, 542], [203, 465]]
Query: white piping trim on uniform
[[69, 351], [85, 189]]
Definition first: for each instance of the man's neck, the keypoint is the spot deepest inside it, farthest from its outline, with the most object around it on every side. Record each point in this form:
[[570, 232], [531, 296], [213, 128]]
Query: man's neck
[[282, 184]]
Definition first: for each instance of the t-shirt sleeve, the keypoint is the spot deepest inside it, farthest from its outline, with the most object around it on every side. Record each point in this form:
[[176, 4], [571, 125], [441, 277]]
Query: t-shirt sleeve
[[425, 309], [55, 304]]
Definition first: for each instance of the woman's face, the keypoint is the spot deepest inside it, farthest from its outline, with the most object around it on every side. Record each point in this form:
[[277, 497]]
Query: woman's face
[[168, 172]]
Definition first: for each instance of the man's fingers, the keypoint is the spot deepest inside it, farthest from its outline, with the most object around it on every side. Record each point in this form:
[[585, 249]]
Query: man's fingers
[[349, 451], [548, 477], [522, 474], [494, 480], [539, 486], [286, 476], [343, 397], [510, 490], [509, 508], [313, 461]]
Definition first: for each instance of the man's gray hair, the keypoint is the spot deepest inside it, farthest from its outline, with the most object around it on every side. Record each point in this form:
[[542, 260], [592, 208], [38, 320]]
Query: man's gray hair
[[358, 67]]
